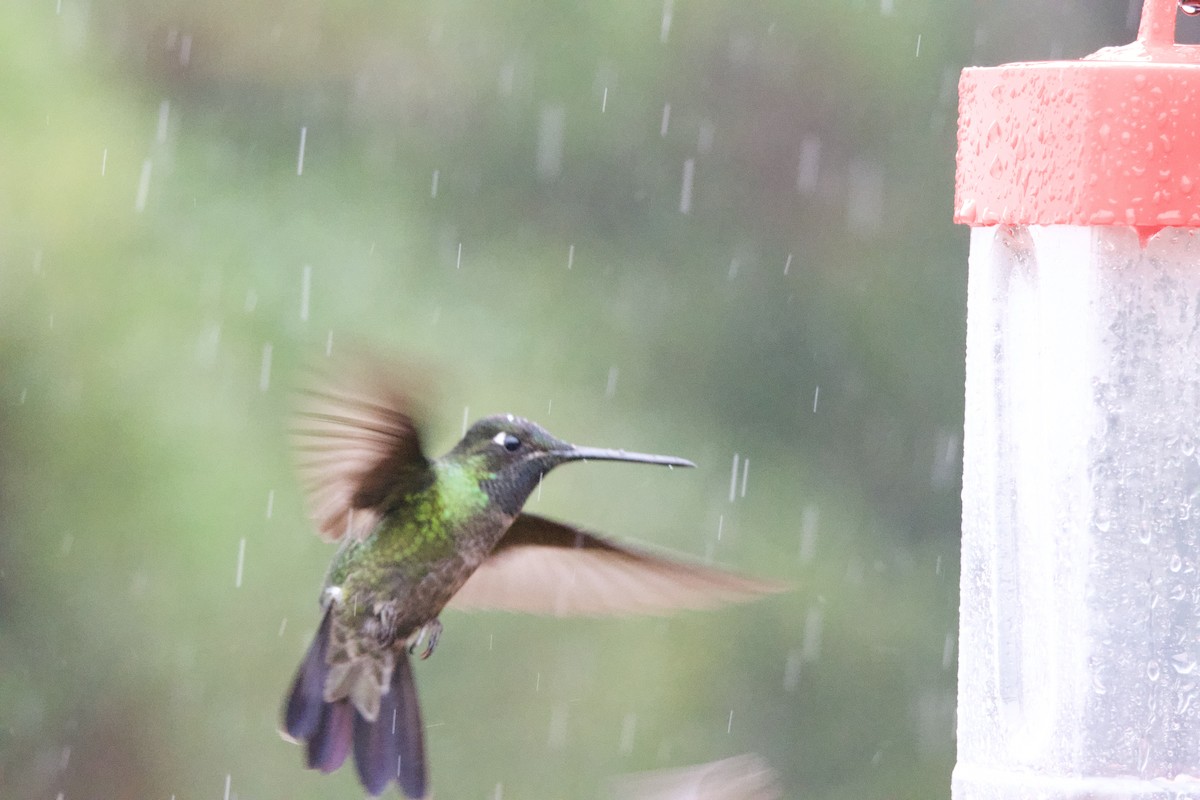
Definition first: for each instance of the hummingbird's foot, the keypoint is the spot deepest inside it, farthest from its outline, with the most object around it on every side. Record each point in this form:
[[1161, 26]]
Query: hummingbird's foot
[[433, 630]]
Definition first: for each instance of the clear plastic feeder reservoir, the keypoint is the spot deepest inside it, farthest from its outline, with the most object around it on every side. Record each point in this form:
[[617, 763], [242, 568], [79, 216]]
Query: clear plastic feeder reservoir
[[1079, 654]]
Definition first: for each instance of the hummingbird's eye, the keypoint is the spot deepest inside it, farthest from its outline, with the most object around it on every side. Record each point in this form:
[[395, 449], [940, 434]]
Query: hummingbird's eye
[[507, 441]]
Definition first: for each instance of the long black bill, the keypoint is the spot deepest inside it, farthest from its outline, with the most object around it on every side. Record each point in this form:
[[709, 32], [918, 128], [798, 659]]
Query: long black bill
[[574, 453]]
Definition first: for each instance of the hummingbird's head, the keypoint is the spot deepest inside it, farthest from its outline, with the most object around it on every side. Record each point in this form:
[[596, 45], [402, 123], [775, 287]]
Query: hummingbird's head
[[513, 454]]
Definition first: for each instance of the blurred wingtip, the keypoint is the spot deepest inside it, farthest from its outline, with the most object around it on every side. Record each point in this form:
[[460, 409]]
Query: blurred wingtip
[[743, 777], [772, 586], [353, 369]]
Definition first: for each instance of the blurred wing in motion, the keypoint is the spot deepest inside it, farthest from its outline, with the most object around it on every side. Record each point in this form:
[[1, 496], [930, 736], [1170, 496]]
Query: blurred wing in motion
[[357, 445], [744, 777], [545, 567]]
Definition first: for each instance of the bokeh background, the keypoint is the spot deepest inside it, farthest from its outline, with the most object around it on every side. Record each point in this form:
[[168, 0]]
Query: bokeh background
[[715, 229]]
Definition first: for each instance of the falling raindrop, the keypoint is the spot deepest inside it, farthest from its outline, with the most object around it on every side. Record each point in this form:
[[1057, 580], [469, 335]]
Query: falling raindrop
[[946, 469], [667, 13], [551, 129], [666, 120], [808, 533], [458, 258], [139, 203], [809, 166], [864, 197], [628, 728], [305, 287], [209, 342], [570, 256], [240, 562], [104, 162], [745, 474], [466, 412], [948, 651], [810, 645], [685, 191], [282, 626], [185, 49], [270, 502], [264, 375], [791, 669], [733, 479], [604, 101], [816, 396], [300, 156], [164, 114], [787, 265], [433, 186], [611, 388]]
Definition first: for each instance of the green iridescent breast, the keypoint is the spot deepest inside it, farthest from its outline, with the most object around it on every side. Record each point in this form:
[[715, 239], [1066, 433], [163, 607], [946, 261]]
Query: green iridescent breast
[[420, 530]]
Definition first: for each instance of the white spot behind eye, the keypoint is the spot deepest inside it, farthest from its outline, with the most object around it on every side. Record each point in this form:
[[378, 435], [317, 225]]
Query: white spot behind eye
[[499, 438], [511, 418]]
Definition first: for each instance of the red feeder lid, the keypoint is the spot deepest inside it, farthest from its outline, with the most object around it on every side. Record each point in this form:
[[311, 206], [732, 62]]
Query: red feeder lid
[[1113, 139]]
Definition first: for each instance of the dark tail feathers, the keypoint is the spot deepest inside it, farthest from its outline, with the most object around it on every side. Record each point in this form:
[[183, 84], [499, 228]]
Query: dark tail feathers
[[390, 748]]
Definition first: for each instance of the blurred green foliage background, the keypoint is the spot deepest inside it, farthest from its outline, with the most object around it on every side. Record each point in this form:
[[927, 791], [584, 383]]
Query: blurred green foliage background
[[702, 228]]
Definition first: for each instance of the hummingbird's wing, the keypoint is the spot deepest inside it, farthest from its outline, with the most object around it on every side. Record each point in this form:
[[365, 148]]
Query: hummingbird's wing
[[545, 567], [358, 446], [744, 777]]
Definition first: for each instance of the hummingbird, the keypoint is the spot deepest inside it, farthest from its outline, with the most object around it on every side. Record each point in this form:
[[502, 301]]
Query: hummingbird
[[419, 534], [744, 777]]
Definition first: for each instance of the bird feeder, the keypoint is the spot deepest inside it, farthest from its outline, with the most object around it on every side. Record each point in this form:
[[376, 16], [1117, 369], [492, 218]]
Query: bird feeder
[[1079, 640]]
